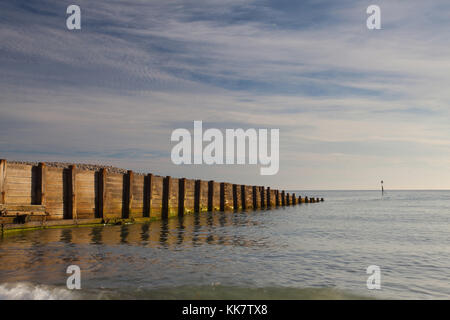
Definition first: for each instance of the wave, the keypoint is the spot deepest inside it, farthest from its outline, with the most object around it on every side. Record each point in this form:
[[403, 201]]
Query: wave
[[29, 291]]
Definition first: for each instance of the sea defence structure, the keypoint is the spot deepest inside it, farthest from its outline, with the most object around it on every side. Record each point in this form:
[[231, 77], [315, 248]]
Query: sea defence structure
[[50, 195]]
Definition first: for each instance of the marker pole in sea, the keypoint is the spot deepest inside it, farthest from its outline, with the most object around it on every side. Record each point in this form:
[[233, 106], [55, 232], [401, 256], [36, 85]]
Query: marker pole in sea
[[382, 188]]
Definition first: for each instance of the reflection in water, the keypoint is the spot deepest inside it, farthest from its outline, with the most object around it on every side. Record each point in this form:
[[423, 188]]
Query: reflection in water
[[210, 223], [42, 256], [164, 233], [328, 245], [96, 235], [145, 230], [180, 230], [66, 235], [190, 230], [196, 228], [124, 232]]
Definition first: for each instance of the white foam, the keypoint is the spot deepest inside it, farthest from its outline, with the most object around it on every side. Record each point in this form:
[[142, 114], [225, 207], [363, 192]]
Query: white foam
[[28, 291]]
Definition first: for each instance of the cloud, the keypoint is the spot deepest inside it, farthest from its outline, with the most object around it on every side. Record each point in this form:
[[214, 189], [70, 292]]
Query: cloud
[[341, 95]]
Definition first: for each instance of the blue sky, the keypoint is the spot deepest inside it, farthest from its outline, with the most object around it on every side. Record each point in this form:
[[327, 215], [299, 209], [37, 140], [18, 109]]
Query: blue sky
[[353, 106]]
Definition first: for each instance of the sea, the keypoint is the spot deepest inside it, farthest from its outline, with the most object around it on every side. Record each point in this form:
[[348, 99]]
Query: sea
[[325, 250]]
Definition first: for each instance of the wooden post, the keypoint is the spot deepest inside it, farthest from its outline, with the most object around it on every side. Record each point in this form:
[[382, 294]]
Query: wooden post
[[210, 195], [321, 200], [277, 198], [165, 198], [101, 210], [283, 198], [299, 199], [73, 191], [306, 200], [42, 173], [288, 199], [235, 198], [181, 196], [222, 196], [255, 199], [243, 197], [294, 199], [268, 198], [3, 166], [148, 190], [197, 194], [128, 194], [263, 197]]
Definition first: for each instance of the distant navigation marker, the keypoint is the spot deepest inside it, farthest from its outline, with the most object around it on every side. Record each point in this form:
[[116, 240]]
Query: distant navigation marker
[[382, 188]]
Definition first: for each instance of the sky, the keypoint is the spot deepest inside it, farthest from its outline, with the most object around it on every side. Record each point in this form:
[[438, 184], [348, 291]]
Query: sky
[[353, 106]]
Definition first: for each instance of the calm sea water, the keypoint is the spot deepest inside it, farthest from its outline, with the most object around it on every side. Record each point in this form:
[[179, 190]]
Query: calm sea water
[[310, 251]]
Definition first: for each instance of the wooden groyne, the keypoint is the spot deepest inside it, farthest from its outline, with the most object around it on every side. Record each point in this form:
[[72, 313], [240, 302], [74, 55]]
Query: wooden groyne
[[40, 195]]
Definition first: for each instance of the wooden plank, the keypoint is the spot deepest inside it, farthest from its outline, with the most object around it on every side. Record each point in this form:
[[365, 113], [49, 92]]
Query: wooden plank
[[277, 198], [42, 172], [25, 172], [222, 196], [148, 189], [197, 195], [16, 166], [181, 196], [235, 197], [86, 192], [173, 197], [52, 199], [17, 200], [115, 180], [101, 193], [128, 193], [165, 198], [85, 204], [18, 192], [189, 201], [72, 190], [55, 187], [54, 178], [210, 195], [262, 196], [30, 208], [84, 176], [243, 197], [17, 180], [85, 211]]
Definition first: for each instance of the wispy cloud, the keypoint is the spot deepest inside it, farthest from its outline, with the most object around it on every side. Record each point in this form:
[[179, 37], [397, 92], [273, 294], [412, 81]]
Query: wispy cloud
[[352, 105]]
